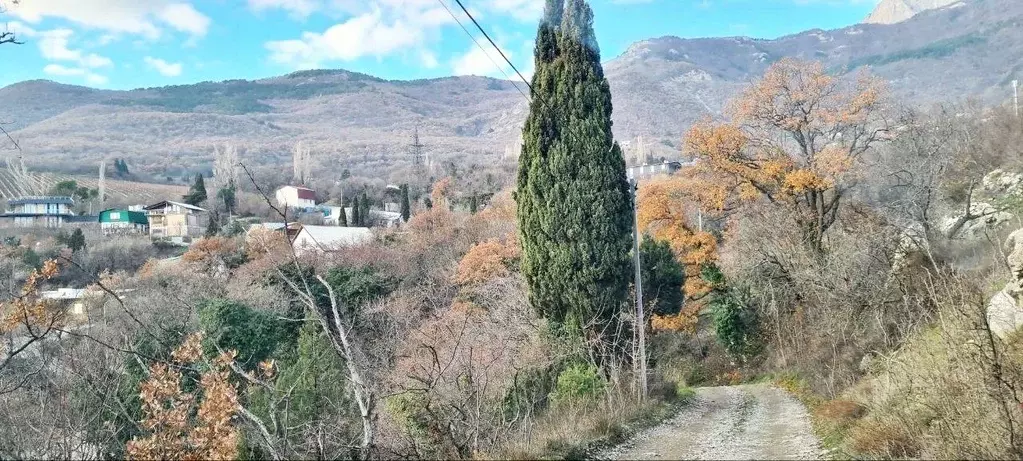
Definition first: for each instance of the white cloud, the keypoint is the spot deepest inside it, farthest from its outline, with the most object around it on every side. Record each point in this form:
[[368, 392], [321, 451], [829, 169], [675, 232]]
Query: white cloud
[[381, 28], [59, 70], [140, 17], [375, 33], [428, 59], [64, 71], [53, 45], [523, 10], [20, 29], [484, 64], [185, 18], [163, 67], [300, 8]]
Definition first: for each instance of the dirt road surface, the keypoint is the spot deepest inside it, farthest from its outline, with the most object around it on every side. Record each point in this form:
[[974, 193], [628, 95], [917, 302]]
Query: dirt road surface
[[734, 422]]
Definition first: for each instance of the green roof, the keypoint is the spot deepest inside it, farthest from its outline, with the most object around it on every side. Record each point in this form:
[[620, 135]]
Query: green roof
[[123, 216]]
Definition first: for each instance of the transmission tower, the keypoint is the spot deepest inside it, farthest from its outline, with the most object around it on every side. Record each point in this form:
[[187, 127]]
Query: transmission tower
[[416, 148]]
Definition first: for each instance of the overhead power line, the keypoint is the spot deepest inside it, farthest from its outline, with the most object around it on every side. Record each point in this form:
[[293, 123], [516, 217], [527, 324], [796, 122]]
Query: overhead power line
[[484, 50], [485, 34]]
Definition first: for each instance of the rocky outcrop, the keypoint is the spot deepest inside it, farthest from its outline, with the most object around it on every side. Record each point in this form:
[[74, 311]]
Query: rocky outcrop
[[1004, 311], [893, 11]]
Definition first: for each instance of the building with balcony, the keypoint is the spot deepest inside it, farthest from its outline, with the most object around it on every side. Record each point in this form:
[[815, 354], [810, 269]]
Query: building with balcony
[[176, 221], [39, 211]]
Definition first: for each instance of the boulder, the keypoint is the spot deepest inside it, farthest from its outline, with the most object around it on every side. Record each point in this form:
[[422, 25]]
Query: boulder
[[1004, 316], [976, 227], [1003, 182], [1014, 247]]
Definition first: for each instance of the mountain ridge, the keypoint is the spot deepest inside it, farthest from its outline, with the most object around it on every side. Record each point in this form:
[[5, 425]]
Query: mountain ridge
[[659, 87]]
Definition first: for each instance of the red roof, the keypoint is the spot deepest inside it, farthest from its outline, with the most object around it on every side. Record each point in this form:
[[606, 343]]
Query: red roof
[[306, 194]]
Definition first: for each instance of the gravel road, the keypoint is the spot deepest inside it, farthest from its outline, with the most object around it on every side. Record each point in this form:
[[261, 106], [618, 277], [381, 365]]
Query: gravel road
[[734, 422]]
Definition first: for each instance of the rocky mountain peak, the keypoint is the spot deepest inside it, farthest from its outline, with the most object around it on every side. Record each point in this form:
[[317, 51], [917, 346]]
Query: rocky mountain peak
[[893, 11]]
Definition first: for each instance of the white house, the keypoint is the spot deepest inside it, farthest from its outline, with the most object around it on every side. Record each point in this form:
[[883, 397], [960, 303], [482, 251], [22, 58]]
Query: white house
[[296, 197], [328, 238]]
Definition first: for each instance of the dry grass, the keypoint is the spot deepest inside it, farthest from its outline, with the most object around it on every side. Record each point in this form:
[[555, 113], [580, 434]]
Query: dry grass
[[950, 392], [576, 431]]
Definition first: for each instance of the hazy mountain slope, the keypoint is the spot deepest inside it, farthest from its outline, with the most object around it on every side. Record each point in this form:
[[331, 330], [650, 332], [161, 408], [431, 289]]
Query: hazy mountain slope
[[893, 11], [660, 86]]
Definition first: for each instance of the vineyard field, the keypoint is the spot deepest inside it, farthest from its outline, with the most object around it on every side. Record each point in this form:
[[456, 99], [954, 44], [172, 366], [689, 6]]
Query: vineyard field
[[118, 192]]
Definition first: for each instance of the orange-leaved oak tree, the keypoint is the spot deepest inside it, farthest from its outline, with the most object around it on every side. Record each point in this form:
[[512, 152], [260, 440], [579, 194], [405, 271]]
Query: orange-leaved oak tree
[[794, 139], [183, 424], [28, 318], [664, 207]]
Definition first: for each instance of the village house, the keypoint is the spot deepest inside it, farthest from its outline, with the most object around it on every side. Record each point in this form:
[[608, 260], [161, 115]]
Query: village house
[[646, 171], [39, 211], [123, 222], [176, 221], [329, 238], [296, 197], [379, 218]]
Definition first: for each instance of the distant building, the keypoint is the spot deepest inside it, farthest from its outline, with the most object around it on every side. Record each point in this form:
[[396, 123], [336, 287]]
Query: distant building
[[176, 220], [641, 172], [379, 218], [39, 211], [329, 238], [296, 197], [114, 221], [331, 214]]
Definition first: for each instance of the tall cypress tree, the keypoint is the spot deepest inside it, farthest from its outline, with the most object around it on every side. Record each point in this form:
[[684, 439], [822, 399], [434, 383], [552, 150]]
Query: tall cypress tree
[[574, 203], [197, 194], [406, 207], [364, 211], [356, 219]]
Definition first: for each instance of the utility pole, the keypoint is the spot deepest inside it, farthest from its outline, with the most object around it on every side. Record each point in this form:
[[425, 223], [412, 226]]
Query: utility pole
[[640, 316]]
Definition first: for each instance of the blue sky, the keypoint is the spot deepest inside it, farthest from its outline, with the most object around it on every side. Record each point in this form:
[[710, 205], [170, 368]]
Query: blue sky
[[121, 44]]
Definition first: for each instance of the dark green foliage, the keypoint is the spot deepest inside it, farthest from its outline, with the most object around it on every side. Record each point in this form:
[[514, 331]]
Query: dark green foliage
[[197, 194], [406, 206], [663, 277], [120, 167], [529, 392], [64, 188], [213, 228], [578, 382], [241, 96], [736, 322], [312, 388], [31, 259], [70, 188], [574, 203], [364, 211], [356, 218], [256, 335], [354, 287], [342, 220], [936, 50], [474, 204], [428, 203], [227, 194], [76, 242]]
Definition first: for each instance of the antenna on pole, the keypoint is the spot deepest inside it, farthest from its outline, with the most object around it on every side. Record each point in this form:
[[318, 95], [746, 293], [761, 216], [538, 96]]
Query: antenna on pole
[[1015, 96]]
